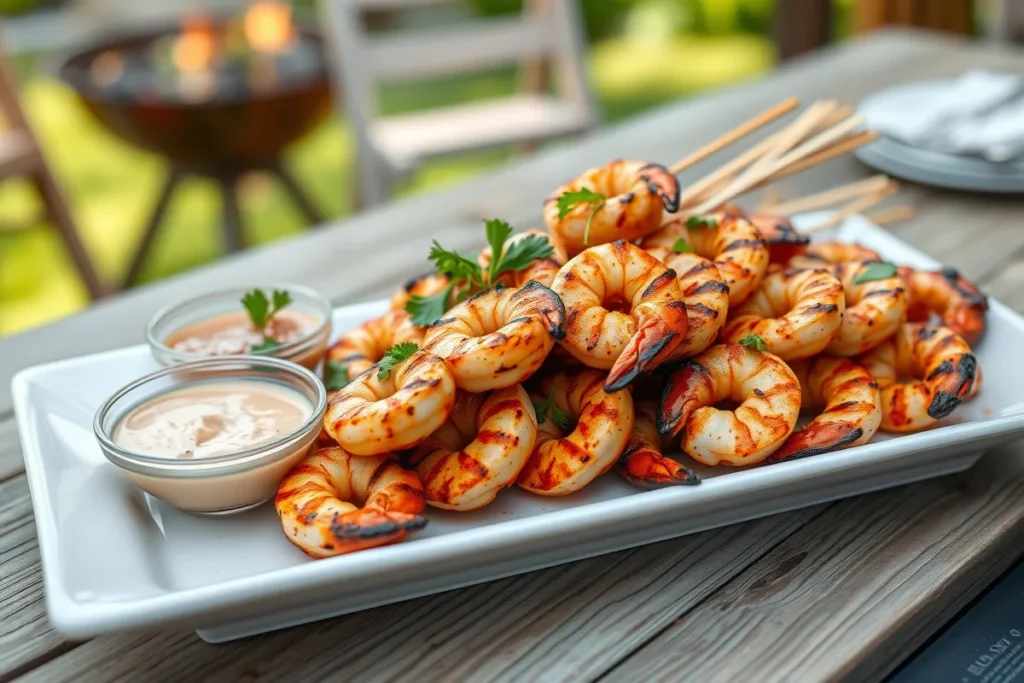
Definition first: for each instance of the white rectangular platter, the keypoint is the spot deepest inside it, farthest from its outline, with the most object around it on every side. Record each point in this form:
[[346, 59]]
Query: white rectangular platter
[[113, 558]]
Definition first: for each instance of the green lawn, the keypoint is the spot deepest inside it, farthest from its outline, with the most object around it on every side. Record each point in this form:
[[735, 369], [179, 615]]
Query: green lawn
[[111, 185]]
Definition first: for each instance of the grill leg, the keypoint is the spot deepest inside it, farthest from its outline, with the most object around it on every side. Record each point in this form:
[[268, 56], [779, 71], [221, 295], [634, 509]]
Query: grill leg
[[146, 244], [298, 196]]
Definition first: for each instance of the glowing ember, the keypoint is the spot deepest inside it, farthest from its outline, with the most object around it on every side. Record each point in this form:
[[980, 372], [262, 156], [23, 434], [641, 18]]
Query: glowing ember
[[268, 27]]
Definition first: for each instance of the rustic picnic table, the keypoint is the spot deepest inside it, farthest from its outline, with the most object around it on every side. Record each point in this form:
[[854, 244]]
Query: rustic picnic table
[[841, 590]]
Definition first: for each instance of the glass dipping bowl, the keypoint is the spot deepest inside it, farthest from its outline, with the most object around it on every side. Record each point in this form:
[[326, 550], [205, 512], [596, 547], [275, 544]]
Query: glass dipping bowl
[[307, 351], [223, 484]]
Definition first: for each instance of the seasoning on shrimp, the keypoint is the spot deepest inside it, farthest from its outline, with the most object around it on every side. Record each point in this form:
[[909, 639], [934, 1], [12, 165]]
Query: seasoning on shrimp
[[795, 312], [765, 387], [784, 241], [876, 305], [622, 200], [393, 408], [642, 463], [824, 254], [479, 450], [652, 321], [595, 426], [731, 241], [334, 502], [942, 366], [498, 339], [357, 351], [850, 404], [955, 300]]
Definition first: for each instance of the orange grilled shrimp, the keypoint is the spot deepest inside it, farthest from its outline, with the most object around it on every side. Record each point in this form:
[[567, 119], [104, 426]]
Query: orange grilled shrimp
[[823, 254], [479, 450], [795, 312], [784, 242], [954, 299], [317, 502], [423, 285], [706, 297], [370, 416], [636, 193], [361, 348], [850, 403], [564, 461], [943, 366], [497, 339], [875, 308], [765, 387], [732, 242], [642, 463], [602, 279], [541, 270]]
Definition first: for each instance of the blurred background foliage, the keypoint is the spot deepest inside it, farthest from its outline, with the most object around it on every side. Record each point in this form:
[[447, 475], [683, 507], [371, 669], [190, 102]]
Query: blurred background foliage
[[642, 53]]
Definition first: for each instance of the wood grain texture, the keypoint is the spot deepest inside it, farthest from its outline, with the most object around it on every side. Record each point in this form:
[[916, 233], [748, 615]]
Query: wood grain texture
[[10, 448]]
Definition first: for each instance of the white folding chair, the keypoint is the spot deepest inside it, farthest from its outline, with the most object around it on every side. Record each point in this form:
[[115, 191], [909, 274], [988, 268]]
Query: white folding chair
[[390, 148]]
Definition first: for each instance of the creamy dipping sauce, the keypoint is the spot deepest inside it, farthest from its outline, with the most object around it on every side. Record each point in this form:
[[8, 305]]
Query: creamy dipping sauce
[[208, 419], [233, 334]]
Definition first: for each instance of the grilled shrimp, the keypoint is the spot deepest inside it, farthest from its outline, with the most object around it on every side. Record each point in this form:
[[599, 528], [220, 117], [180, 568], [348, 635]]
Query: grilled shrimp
[[367, 344], [479, 450], [784, 242], [938, 359], [706, 297], [957, 303], [850, 404], [874, 309], [565, 462], [317, 502], [642, 463], [370, 416], [732, 242], [423, 285], [766, 389], [497, 339], [636, 194], [822, 254], [795, 312], [541, 270], [597, 282]]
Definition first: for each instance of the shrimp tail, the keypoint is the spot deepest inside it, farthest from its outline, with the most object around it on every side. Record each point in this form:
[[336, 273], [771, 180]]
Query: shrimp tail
[[959, 380], [663, 183], [553, 313], [679, 397], [645, 349], [645, 467], [816, 439], [370, 527]]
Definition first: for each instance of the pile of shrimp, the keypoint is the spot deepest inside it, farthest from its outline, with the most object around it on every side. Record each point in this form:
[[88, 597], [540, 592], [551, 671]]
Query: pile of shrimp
[[642, 333]]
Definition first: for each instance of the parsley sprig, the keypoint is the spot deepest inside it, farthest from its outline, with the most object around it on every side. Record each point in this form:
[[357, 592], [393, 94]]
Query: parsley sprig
[[682, 247], [261, 309], [875, 271], [559, 416], [395, 355], [337, 375], [468, 276], [754, 341], [701, 222], [570, 199]]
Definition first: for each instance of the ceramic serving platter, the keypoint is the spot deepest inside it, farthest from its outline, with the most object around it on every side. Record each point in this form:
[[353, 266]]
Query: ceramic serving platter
[[114, 558]]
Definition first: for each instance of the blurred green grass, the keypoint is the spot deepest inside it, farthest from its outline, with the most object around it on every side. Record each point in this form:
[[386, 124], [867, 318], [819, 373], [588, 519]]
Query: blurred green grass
[[111, 185]]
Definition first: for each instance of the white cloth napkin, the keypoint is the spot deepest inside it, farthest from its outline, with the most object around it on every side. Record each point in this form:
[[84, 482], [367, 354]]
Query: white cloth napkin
[[980, 113]]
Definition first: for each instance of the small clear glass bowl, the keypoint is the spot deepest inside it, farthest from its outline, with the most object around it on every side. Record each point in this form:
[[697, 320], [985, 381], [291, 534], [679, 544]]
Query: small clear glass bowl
[[307, 351], [223, 484]]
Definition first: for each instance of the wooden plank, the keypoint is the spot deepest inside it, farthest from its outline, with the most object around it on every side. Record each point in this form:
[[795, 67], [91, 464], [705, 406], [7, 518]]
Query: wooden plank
[[10, 448], [25, 634], [570, 622]]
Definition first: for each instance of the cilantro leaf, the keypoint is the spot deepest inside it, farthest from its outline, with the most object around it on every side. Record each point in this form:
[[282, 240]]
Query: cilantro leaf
[[426, 310], [875, 271], [570, 199], [701, 222], [454, 264], [281, 299], [258, 306], [590, 219], [268, 344], [754, 341], [541, 407], [497, 231], [681, 247], [395, 355], [521, 254], [559, 416], [337, 375]]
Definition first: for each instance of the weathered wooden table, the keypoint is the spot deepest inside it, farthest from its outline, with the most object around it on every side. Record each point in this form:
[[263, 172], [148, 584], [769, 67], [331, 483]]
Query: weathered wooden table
[[846, 590]]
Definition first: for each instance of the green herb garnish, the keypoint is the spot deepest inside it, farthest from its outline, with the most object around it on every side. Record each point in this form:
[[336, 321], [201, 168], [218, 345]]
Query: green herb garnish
[[395, 355], [701, 222], [754, 341], [268, 344], [569, 200], [682, 247], [337, 375], [261, 309], [875, 271], [560, 417]]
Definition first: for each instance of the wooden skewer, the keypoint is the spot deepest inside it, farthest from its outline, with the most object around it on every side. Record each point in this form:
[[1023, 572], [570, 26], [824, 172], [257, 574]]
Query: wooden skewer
[[854, 207], [735, 134], [772, 198], [893, 215], [835, 117], [846, 144], [832, 196]]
